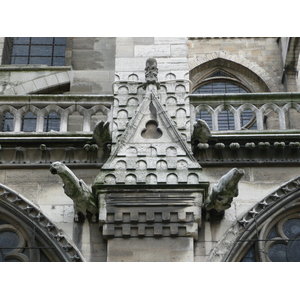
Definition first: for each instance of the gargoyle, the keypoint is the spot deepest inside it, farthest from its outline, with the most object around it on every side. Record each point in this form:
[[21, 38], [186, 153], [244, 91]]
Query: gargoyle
[[77, 190], [223, 192], [201, 132]]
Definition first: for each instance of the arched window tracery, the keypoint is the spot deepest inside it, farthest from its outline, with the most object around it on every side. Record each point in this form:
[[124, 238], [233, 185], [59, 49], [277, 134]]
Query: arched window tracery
[[26, 234], [268, 232], [220, 82]]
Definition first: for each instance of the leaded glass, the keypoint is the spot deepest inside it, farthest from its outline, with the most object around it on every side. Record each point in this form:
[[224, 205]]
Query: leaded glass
[[8, 241], [225, 120], [7, 122], [219, 87], [291, 228], [277, 253], [38, 50], [293, 251], [52, 122], [29, 122]]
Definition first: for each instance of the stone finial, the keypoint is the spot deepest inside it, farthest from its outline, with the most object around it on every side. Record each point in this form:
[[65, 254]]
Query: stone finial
[[151, 72]]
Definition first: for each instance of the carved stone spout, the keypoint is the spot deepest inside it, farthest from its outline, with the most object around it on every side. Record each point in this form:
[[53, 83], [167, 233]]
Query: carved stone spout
[[77, 190], [223, 192]]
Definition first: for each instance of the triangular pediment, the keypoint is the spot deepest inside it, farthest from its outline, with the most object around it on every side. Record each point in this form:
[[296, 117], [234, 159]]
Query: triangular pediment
[[152, 125], [151, 150]]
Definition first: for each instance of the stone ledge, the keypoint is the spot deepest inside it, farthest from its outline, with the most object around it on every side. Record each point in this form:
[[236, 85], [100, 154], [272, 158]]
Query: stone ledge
[[154, 230]]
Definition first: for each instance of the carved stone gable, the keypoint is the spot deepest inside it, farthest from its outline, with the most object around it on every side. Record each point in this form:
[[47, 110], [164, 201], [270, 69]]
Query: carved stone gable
[[151, 185]]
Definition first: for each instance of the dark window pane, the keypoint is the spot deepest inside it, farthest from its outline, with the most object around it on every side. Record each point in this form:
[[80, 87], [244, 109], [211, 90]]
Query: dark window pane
[[60, 41], [33, 50], [277, 253], [42, 40], [291, 228], [40, 60], [21, 40], [22, 50], [248, 119], [8, 241], [58, 61], [18, 60], [225, 120], [41, 51], [52, 122], [7, 122], [219, 87], [29, 122], [293, 252], [59, 50]]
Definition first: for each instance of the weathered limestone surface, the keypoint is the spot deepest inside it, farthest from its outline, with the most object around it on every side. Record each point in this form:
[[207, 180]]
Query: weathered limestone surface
[[151, 250], [93, 63]]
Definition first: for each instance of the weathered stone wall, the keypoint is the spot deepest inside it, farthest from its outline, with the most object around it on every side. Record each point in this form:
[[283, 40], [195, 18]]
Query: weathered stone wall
[[42, 188], [45, 190], [93, 63], [170, 53], [256, 184], [1, 47], [261, 55]]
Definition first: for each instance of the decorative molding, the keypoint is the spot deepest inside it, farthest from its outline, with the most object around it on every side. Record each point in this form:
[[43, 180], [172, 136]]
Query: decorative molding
[[55, 236], [236, 236]]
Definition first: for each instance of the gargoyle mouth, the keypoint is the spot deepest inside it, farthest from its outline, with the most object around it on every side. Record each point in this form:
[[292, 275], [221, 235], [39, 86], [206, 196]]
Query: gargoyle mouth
[[53, 170]]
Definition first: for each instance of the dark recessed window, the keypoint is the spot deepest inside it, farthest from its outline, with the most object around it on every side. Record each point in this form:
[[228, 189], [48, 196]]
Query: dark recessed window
[[38, 50], [220, 87], [7, 122], [29, 122], [225, 118], [52, 122]]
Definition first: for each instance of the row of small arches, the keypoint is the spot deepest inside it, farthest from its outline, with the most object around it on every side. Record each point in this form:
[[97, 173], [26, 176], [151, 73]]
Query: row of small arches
[[151, 178], [135, 77], [51, 118], [248, 116], [125, 90], [134, 102], [151, 151], [160, 165]]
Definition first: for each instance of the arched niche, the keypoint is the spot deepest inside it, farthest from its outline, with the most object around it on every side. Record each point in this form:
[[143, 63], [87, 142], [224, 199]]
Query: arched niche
[[252, 77]]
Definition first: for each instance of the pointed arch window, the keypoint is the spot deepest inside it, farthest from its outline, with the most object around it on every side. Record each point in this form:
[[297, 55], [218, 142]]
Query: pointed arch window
[[220, 82]]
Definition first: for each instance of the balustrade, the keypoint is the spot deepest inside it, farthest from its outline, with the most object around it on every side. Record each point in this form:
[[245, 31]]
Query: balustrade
[[280, 111], [40, 113]]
